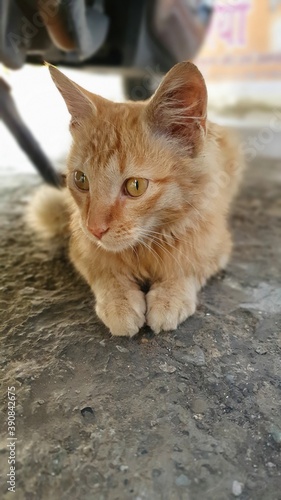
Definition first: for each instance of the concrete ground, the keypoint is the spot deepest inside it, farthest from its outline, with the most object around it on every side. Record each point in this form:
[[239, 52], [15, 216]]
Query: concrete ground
[[193, 414]]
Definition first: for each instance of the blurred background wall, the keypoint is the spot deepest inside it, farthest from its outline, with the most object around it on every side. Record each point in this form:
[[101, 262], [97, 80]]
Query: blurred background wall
[[241, 55], [241, 62]]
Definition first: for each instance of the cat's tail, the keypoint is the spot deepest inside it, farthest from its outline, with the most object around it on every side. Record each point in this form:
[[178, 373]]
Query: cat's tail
[[48, 213]]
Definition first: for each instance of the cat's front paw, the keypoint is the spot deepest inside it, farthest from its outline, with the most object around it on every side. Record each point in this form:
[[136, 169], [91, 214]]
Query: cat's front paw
[[124, 315], [167, 309]]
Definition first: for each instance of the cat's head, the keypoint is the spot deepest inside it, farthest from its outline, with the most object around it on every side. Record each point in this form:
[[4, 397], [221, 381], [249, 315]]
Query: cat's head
[[134, 168]]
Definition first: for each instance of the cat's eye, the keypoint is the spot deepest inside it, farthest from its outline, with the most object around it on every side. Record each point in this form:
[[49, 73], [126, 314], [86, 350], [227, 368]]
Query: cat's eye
[[136, 186], [81, 180]]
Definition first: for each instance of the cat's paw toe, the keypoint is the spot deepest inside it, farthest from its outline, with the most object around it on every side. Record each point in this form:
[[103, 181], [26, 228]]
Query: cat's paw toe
[[166, 312], [124, 316]]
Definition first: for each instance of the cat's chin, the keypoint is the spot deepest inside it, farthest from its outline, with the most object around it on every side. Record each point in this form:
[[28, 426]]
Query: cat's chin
[[114, 247]]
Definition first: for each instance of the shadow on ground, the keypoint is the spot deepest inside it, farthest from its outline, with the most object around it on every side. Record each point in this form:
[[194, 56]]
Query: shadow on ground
[[192, 414]]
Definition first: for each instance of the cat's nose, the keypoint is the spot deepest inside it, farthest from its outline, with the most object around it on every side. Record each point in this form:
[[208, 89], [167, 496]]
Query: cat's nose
[[98, 232]]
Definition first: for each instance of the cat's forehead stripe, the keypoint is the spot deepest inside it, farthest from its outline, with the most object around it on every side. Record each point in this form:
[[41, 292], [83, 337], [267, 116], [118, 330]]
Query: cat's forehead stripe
[[105, 143]]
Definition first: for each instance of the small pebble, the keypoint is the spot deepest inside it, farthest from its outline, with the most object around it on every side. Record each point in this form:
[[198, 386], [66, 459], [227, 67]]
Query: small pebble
[[182, 480], [276, 434], [251, 485], [193, 355], [237, 488], [144, 340], [87, 450], [156, 472], [167, 368], [197, 356], [199, 405], [261, 349], [122, 349], [179, 343], [123, 468], [87, 411], [182, 387]]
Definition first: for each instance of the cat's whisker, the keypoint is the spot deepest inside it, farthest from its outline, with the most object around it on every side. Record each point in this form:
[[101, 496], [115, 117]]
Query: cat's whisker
[[167, 252], [167, 235], [195, 209], [164, 236], [159, 242], [135, 252], [149, 248], [161, 246], [153, 238]]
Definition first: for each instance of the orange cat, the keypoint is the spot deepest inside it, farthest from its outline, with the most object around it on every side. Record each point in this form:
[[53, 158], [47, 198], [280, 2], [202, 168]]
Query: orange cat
[[151, 184]]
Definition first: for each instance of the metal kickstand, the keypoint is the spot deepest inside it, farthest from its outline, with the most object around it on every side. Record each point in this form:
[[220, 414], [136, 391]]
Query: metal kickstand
[[13, 121]]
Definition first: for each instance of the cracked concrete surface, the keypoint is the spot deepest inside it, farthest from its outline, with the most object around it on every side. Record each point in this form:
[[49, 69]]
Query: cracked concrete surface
[[193, 414]]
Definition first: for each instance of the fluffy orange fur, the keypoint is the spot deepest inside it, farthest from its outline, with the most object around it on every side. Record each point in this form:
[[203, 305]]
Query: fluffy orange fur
[[174, 236]]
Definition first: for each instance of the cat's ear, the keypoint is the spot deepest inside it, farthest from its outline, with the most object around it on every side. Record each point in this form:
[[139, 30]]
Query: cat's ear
[[178, 108], [77, 100]]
